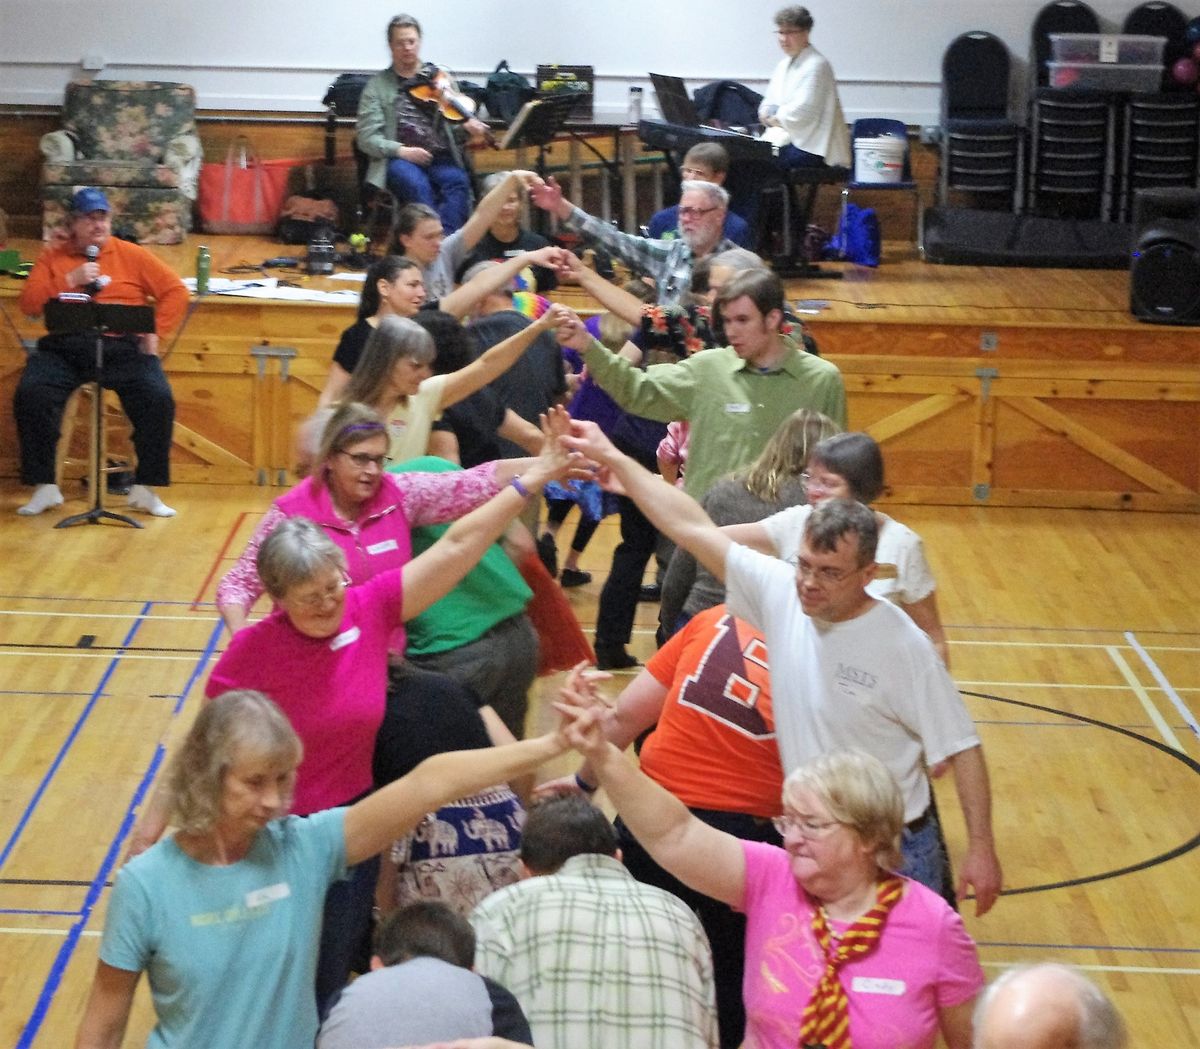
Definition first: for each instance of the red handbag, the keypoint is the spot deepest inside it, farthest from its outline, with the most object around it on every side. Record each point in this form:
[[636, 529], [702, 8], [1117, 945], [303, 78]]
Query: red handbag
[[244, 194]]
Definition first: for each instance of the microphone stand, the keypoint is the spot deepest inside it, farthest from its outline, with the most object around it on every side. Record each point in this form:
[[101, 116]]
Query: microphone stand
[[95, 319]]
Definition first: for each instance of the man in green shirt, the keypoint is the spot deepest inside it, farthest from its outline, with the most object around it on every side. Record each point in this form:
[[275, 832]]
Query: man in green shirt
[[734, 397]]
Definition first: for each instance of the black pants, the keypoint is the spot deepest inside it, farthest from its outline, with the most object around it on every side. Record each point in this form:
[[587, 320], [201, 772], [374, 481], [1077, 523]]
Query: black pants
[[726, 928], [61, 365], [619, 598]]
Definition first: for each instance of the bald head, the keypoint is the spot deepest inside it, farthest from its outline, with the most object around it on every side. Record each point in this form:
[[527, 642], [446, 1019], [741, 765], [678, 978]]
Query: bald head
[[1046, 1007]]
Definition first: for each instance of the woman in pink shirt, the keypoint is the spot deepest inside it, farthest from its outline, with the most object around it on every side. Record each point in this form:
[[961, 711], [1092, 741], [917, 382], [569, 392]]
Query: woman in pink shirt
[[840, 951]]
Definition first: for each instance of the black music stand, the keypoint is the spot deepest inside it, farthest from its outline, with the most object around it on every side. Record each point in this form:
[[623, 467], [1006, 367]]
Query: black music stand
[[538, 123], [95, 319]]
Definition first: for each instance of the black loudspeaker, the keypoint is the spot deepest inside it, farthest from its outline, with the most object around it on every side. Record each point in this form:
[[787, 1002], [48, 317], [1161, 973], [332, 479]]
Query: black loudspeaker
[[1164, 274]]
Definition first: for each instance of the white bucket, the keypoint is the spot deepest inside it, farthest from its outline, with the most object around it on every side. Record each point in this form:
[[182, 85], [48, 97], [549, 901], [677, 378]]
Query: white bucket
[[879, 159]]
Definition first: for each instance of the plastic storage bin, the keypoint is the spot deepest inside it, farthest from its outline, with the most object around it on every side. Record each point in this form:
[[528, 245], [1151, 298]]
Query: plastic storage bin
[[1123, 49], [1101, 76]]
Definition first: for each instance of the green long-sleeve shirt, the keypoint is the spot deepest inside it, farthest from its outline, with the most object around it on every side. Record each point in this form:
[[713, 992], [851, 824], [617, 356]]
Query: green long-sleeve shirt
[[733, 407]]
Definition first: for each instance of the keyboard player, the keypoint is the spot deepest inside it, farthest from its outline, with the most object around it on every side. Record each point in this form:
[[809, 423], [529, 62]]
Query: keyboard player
[[801, 112]]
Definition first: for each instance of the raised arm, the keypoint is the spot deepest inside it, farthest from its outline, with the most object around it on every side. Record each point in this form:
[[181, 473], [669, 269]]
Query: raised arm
[[464, 299], [708, 860], [613, 298], [435, 572], [379, 819], [669, 509], [496, 361], [488, 209]]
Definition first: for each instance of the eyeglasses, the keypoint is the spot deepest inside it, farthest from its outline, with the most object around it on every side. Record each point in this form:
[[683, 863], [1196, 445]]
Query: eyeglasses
[[690, 212], [821, 482], [789, 32], [320, 597], [805, 826], [361, 460], [825, 575]]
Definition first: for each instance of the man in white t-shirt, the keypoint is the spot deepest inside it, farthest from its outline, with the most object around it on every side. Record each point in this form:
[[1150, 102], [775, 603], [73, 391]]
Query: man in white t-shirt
[[847, 670]]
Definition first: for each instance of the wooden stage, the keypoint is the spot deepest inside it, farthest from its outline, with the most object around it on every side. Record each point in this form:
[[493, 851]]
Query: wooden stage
[[986, 386]]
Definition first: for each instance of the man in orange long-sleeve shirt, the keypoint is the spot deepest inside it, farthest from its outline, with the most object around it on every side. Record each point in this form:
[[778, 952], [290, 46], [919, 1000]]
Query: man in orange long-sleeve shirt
[[123, 274]]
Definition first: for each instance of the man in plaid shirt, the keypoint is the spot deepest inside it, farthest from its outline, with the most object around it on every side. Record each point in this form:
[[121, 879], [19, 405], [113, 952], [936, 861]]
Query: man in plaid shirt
[[595, 958], [702, 210]]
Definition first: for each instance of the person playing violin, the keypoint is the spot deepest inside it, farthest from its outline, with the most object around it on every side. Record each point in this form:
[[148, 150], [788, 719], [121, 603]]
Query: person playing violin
[[411, 141]]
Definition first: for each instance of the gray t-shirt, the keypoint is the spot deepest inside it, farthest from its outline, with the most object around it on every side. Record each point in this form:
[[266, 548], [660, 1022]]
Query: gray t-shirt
[[419, 1001]]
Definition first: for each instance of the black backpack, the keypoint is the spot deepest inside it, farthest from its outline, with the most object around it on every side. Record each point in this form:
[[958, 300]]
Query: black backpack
[[506, 92]]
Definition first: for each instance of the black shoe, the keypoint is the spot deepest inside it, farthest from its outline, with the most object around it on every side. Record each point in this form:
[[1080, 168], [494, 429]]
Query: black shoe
[[650, 592], [548, 553], [614, 657], [573, 577]]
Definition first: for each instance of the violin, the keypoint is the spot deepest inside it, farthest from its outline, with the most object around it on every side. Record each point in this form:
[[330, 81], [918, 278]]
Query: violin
[[441, 89]]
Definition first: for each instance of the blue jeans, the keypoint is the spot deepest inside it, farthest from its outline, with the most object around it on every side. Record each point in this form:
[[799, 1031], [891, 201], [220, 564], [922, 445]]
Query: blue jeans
[[442, 185], [926, 858]]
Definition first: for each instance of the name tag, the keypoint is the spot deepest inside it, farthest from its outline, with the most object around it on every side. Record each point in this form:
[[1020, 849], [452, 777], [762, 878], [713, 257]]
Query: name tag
[[346, 637], [737, 409], [268, 894], [382, 548], [874, 985]]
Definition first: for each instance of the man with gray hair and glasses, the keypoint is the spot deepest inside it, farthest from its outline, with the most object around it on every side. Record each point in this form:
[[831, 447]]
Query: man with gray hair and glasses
[[847, 670], [1046, 1006], [702, 210]]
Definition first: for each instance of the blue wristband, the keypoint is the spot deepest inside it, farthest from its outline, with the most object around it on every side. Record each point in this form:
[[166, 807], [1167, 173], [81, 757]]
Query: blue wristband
[[587, 788], [522, 491]]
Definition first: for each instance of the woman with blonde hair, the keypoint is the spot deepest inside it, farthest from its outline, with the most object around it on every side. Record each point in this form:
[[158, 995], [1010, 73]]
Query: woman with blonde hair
[[395, 377], [840, 950], [224, 916], [769, 484]]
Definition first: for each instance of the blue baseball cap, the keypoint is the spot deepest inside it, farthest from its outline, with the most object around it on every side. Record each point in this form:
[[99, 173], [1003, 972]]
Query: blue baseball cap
[[89, 199]]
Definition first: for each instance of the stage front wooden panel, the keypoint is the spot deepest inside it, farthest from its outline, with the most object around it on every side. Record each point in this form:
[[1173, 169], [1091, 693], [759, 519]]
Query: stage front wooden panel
[[1025, 415]]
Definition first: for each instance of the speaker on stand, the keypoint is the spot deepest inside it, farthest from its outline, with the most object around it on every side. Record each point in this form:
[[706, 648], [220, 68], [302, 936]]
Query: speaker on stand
[[1164, 273]]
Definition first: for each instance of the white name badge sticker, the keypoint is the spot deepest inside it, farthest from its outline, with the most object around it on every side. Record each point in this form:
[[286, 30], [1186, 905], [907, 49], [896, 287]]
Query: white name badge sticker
[[382, 548], [875, 985], [734, 408], [269, 894], [346, 637]]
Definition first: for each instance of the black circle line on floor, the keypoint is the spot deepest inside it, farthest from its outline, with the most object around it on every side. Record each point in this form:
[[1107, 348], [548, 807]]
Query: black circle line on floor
[[1133, 868]]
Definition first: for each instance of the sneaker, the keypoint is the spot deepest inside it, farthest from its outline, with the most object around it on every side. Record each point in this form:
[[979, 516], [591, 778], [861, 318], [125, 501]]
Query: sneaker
[[614, 657], [547, 551], [573, 577]]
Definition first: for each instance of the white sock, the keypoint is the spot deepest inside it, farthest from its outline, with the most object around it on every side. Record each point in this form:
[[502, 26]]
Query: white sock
[[143, 498], [45, 496]]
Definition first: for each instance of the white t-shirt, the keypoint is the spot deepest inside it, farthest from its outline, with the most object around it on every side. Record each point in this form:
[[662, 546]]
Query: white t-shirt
[[905, 576], [410, 422], [872, 683]]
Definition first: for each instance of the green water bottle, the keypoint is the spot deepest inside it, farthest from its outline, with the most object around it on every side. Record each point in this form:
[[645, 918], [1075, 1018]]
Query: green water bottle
[[203, 269]]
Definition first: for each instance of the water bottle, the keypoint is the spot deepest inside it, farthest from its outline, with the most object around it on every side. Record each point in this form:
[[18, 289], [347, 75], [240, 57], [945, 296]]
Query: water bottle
[[635, 105], [203, 269]]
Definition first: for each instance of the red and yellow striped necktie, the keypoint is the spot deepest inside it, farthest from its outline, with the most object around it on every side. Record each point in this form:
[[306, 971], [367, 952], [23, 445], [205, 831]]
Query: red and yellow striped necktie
[[825, 1023]]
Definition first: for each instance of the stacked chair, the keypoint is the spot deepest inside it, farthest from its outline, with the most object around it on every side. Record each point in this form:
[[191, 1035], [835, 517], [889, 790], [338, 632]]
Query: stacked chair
[[982, 147]]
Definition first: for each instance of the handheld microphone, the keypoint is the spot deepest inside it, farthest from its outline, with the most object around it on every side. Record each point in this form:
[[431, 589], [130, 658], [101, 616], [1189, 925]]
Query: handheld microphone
[[93, 253]]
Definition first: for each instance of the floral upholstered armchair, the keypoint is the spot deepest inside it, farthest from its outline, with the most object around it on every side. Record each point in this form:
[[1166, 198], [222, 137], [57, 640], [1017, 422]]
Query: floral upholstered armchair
[[136, 141]]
